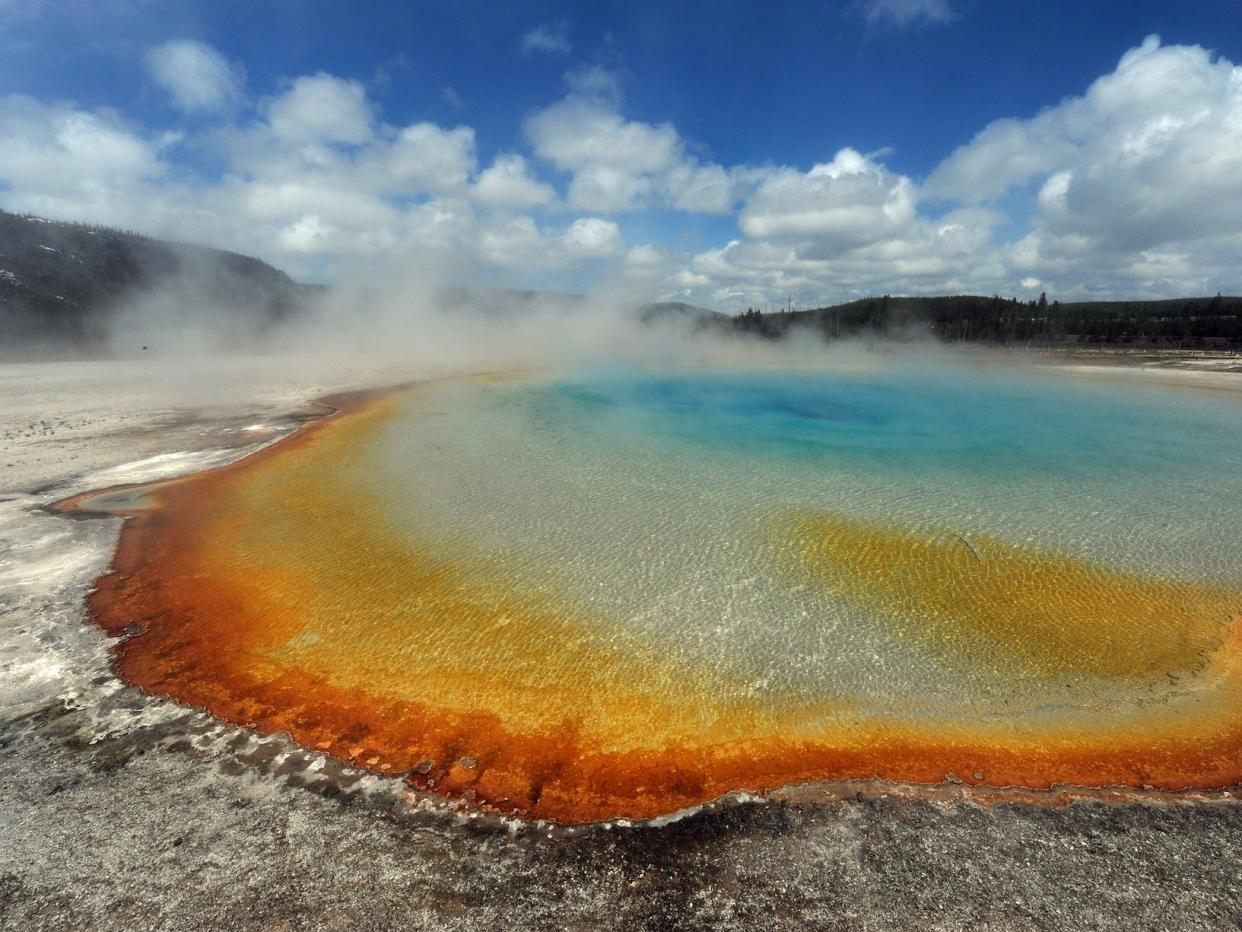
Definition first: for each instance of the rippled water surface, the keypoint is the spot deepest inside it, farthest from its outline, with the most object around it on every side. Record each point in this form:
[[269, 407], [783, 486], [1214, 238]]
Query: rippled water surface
[[662, 501], [616, 591]]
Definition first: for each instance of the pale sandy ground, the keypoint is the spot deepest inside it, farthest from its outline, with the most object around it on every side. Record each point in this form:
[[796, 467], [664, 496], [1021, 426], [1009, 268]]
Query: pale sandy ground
[[122, 811]]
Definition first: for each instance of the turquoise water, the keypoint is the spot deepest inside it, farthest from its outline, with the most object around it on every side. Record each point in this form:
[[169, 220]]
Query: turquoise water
[[974, 423], [647, 499]]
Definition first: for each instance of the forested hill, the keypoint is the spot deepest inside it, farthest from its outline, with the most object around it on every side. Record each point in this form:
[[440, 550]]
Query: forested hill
[[61, 282], [1184, 323]]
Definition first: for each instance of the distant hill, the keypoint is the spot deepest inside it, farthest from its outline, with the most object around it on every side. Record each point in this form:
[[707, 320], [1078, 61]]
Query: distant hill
[[677, 310], [1183, 323], [61, 282]]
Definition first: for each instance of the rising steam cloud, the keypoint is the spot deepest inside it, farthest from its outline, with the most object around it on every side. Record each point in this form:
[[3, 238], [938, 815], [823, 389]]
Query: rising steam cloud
[[427, 328]]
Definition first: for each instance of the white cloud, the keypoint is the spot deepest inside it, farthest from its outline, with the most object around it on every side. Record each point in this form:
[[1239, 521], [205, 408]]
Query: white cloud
[[550, 40], [1132, 189], [624, 165], [597, 83], [322, 108], [422, 157], [417, 159], [703, 189], [1127, 189], [348, 202], [507, 185], [307, 234], [196, 76], [608, 189], [612, 159], [845, 203], [578, 133], [514, 242], [304, 203], [953, 254], [1007, 152], [905, 12], [593, 238], [1147, 161], [58, 150], [644, 256]]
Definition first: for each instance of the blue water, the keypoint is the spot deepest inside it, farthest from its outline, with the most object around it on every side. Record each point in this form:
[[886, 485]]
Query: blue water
[[962, 422], [653, 500]]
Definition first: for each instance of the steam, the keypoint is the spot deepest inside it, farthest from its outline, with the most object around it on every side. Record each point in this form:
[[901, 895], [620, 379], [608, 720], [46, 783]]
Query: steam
[[425, 328]]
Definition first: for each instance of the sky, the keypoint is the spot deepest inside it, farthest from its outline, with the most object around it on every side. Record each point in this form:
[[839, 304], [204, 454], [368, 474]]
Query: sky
[[722, 153]]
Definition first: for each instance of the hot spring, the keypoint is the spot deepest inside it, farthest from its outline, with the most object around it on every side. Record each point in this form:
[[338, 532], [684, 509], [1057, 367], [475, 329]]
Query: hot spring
[[582, 596]]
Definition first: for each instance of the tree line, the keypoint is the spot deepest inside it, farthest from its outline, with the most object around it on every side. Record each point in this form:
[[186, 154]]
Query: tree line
[[1187, 323]]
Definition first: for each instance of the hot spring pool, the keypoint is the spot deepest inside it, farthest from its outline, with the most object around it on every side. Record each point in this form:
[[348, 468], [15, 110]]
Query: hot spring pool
[[585, 596]]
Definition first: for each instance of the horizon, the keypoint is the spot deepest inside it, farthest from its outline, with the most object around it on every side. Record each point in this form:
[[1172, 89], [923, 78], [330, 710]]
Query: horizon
[[608, 151], [772, 308]]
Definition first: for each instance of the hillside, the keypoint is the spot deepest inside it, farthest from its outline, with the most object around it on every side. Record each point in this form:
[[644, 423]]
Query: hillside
[[1184, 323], [60, 283]]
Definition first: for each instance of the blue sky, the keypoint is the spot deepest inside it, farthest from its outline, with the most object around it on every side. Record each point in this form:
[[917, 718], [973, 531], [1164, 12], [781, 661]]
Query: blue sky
[[724, 153]]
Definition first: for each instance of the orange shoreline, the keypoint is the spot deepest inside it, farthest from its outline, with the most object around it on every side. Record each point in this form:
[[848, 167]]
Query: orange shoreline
[[184, 632]]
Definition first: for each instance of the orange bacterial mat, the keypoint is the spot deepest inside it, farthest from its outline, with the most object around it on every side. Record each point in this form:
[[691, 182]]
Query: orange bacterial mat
[[275, 594]]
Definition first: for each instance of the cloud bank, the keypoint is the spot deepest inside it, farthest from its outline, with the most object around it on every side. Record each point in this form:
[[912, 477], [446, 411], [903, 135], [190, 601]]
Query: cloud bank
[[1128, 188]]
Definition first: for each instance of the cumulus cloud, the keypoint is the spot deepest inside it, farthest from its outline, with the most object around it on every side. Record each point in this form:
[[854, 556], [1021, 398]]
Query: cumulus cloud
[[550, 40], [322, 107], [420, 158], [1126, 189], [618, 164], [904, 12], [595, 82], [579, 133], [57, 158], [703, 189], [196, 76], [844, 203], [951, 254], [318, 183], [1007, 152], [645, 256], [593, 238], [1148, 160], [512, 242], [508, 185], [612, 159], [609, 189]]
